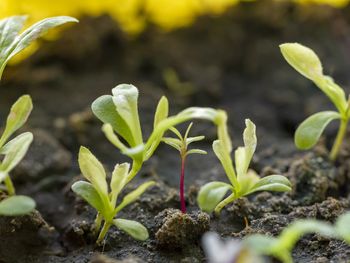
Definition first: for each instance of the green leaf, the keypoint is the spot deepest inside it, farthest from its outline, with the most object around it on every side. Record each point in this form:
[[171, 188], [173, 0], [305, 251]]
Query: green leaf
[[194, 139], [125, 98], [14, 151], [226, 162], [18, 115], [16, 205], [342, 226], [173, 142], [259, 243], [211, 194], [9, 29], [105, 110], [277, 183], [195, 151], [86, 191], [310, 130], [23, 40], [119, 180], [247, 182], [162, 111], [94, 172], [134, 195], [302, 59], [133, 228], [244, 155]]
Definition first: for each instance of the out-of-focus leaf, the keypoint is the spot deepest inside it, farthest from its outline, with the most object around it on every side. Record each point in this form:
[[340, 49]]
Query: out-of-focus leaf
[[16, 205], [342, 226], [310, 130]]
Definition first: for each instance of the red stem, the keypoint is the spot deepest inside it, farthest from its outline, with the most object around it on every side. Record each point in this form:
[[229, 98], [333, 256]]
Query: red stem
[[182, 185]]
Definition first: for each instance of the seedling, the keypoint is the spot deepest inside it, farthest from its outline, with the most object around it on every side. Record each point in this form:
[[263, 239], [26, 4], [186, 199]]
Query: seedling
[[104, 200], [306, 62], [120, 116], [13, 152], [281, 247], [12, 42], [181, 144], [242, 181]]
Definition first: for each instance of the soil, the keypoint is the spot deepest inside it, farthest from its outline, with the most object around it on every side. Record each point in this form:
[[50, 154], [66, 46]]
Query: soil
[[232, 62]]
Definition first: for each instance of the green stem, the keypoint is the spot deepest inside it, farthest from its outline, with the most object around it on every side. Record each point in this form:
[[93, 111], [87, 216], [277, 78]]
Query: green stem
[[339, 139], [224, 203], [97, 224], [136, 167], [103, 232], [9, 185]]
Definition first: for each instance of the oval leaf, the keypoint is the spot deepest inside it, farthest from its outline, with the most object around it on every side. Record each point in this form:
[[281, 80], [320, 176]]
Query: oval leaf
[[18, 115], [310, 130], [161, 111], [16, 205], [342, 226], [133, 228], [211, 194], [86, 191], [276, 183]]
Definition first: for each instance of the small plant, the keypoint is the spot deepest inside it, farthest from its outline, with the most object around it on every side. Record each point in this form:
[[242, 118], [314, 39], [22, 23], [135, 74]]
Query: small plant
[[181, 144], [281, 247], [96, 192], [306, 62], [13, 152], [119, 113], [242, 181], [12, 42]]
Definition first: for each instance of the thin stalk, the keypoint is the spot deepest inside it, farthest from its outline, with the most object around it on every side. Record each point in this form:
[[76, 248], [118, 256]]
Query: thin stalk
[[136, 167], [9, 186], [224, 203], [339, 139], [103, 232], [97, 224], [182, 185]]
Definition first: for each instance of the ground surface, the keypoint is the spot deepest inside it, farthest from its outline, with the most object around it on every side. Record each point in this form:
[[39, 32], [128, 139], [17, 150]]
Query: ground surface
[[232, 62]]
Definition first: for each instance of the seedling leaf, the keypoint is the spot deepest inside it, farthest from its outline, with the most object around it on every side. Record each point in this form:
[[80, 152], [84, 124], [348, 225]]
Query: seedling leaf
[[18, 115], [86, 191], [310, 130], [133, 228], [342, 226], [276, 183], [119, 180], [162, 111], [16, 205], [211, 194]]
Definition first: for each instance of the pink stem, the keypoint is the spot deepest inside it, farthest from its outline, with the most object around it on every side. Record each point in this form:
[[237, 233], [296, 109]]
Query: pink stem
[[182, 186]]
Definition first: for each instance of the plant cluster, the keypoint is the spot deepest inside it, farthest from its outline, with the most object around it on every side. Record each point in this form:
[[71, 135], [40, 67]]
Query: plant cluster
[[281, 247]]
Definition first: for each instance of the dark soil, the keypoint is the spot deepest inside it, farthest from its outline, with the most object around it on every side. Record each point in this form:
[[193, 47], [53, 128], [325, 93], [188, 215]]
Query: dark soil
[[233, 62]]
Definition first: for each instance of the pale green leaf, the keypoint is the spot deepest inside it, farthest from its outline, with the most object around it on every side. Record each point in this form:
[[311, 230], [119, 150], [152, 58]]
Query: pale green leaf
[[342, 226], [125, 99], [195, 151], [18, 115], [9, 29], [194, 139], [133, 228], [86, 191], [134, 195], [211, 194], [310, 130], [244, 155], [93, 171], [162, 111], [16, 205], [112, 137], [302, 59], [276, 183], [15, 151], [173, 142], [105, 110], [119, 180], [247, 182], [23, 40]]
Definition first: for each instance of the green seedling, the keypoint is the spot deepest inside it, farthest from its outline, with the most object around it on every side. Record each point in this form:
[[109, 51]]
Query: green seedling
[[181, 144], [242, 180], [119, 113], [13, 152], [306, 62], [104, 199], [281, 247]]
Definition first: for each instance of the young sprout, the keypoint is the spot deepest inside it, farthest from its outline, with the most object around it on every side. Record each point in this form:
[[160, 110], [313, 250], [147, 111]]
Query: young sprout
[[307, 63], [12, 41], [119, 113], [242, 180], [181, 144], [13, 152], [104, 199], [281, 247]]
